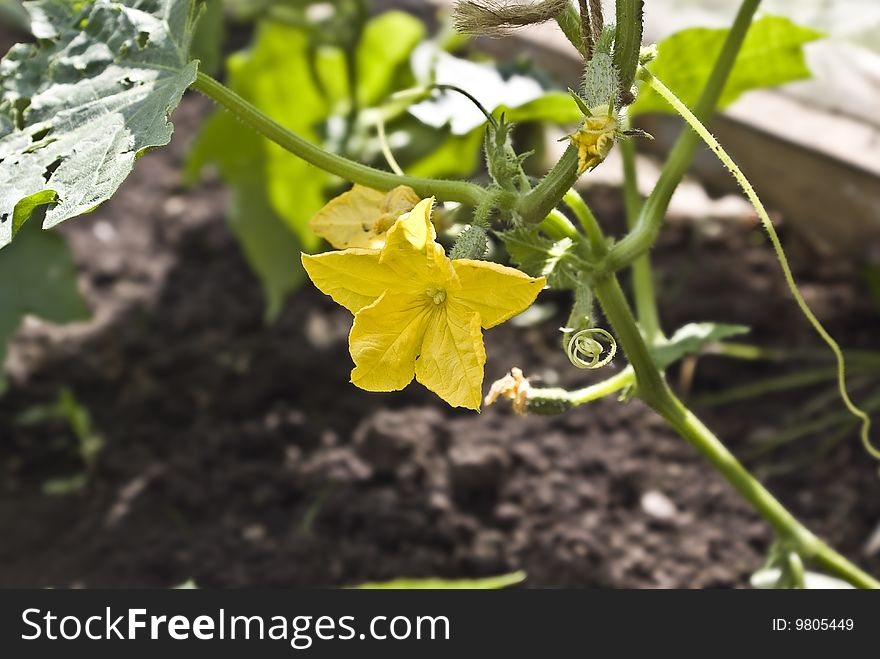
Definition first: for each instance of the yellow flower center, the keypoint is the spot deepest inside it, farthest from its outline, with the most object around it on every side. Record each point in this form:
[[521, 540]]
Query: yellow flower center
[[436, 295]]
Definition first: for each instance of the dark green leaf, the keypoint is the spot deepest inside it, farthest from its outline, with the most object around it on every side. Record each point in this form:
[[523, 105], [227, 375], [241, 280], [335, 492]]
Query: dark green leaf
[[79, 106]]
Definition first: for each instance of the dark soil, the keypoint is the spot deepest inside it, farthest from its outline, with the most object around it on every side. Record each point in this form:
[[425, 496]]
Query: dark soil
[[237, 454]]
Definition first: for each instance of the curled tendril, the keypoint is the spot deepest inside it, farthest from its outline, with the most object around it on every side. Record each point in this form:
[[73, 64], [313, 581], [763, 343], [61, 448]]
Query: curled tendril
[[586, 351]]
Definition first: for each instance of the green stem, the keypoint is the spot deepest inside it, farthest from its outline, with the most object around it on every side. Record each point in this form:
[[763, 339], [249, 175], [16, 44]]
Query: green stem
[[643, 236], [627, 41], [728, 162], [534, 206], [650, 382], [552, 401], [473, 99], [386, 146], [654, 391], [642, 275], [598, 244], [557, 226], [604, 388], [460, 191]]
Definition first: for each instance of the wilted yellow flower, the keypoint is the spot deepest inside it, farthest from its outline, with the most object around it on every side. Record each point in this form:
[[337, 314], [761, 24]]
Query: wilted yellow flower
[[595, 138], [418, 313], [513, 386], [362, 216]]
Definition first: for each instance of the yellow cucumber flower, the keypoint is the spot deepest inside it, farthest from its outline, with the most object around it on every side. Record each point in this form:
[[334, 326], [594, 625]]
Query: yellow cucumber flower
[[595, 138], [362, 216], [418, 313]]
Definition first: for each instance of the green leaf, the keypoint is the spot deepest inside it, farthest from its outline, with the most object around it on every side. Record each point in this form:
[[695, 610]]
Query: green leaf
[[457, 155], [772, 54], [39, 277], [269, 245], [692, 338], [538, 256], [275, 76], [79, 106], [274, 193], [554, 107], [489, 583], [386, 44]]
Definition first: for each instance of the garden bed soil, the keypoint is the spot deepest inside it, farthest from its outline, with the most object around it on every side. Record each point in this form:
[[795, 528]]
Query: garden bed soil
[[238, 454]]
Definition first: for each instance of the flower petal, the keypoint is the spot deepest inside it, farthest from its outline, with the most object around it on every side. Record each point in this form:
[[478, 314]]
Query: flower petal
[[362, 216], [453, 357], [354, 278], [348, 220], [385, 341], [494, 291], [411, 232]]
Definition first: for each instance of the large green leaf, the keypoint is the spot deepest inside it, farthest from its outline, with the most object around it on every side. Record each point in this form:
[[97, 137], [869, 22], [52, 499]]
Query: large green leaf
[[386, 44], [38, 278], [79, 106], [772, 54]]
